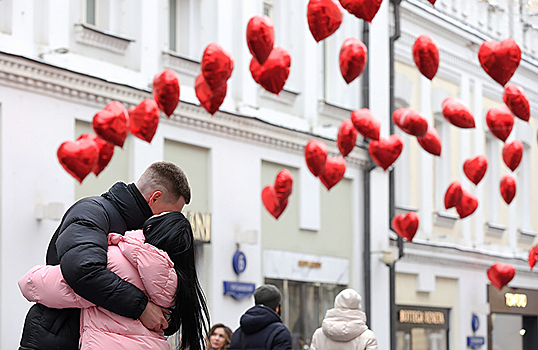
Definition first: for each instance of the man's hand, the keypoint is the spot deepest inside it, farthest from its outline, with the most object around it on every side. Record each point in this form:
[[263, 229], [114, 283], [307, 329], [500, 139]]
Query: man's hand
[[153, 317]]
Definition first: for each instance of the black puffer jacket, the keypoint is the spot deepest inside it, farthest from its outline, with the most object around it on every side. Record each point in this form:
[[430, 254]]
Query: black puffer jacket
[[80, 245], [261, 329]]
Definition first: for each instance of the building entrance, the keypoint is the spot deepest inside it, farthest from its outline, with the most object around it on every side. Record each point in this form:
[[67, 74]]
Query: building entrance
[[421, 328]]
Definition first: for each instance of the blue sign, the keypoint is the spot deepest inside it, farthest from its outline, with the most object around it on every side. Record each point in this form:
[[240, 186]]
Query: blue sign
[[475, 323], [475, 342], [239, 290], [239, 262]]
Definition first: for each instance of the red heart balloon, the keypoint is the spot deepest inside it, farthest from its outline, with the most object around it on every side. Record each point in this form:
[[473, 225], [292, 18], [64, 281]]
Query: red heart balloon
[[512, 153], [283, 185], [406, 225], [366, 123], [364, 9], [211, 100], [260, 37], [270, 202], [272, 75], [500, 122], [112, 123], [385, 151], [508, 188], [475, 168], [467, 204], [353, 57], [453, 194], [457, 113], [78, 157], [315, 154], [144, 119], [106, 151], [324, 18], [517, 101], [533, 256], [431, 142], [432, 2], [347, 137], [217, 66], [500, 59], [500, 274], [335, 168], [426, 55], [166, 91], [410, 121]]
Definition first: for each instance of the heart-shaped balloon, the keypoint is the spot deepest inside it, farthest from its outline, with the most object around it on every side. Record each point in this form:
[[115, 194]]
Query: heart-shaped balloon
[[431, 142], [457, 113], [347, 137], [500, 59], [112, 124], [315, 154], [512, 154], [335, 168], [432, 2], [533, 256], [78, 157], [283, 185], [353, 57], [144, 119], [272, 75], [475, 168], [166, 91], [517, 101], [501, 274], [211, 100], [270, 202], [385, 151], [410, 121], [508, 188], [426, 55], [500, 122], [406, 225], [106, 151], [324, 18], [366, 123], [260, 37], [467, 204], [453, 194], [217, 66], [364, 9]]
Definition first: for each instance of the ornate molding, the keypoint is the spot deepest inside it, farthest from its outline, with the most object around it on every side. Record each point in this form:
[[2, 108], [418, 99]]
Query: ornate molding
[[31, 75], [494, 230], [89, 35], [286, 97], [333, 112], [444, 219], [526, 237], [181, 64]]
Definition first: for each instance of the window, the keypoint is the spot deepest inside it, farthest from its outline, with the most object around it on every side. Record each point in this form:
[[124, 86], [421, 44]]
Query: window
[[6, 16], [442, 164], [184, 18], [492, 179], [268, 8], [523, 189]]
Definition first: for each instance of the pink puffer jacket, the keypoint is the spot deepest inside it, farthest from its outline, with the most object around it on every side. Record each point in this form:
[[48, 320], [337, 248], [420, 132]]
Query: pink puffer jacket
[[143, 265]]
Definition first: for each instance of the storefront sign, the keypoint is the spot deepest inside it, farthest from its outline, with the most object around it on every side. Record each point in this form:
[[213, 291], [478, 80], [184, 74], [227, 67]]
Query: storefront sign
[[312, 264], [475, 342], [239, 290], [513, 300], [421, 317], [201, 225]]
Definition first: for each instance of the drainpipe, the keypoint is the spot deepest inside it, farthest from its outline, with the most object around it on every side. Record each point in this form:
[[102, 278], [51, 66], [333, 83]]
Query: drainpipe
[[392, 204]]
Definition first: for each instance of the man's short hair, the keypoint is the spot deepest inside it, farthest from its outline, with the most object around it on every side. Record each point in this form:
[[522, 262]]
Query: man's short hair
[[167, 178], [268, 295]]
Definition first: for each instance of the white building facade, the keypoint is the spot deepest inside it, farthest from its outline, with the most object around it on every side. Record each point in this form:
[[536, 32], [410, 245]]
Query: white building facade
[[62, 61]]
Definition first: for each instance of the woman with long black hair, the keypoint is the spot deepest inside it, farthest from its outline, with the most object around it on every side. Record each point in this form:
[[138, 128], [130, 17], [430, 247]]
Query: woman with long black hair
[[163, 267]]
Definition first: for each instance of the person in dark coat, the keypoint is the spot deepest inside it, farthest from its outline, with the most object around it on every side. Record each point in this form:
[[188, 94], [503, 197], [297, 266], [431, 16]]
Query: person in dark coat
[[80, 244], [261, 326]]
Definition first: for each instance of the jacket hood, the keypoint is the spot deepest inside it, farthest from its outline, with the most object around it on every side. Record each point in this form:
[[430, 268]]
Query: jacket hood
[[344, 324], [257, 318], [130, 204]]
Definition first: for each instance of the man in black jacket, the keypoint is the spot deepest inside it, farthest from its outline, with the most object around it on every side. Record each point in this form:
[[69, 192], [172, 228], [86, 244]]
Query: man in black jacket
[[79, 246], [261, 326]]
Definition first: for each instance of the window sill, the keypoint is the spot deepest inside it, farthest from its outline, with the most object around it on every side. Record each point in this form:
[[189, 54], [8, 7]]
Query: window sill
[[494, 230], [444, 219], [181, 64], [526, 237], [89, 35], [333, 112], [286, 97], [402, 209]]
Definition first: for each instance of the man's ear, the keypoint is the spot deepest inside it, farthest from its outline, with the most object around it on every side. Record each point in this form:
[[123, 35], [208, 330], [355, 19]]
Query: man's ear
[[154, 197]]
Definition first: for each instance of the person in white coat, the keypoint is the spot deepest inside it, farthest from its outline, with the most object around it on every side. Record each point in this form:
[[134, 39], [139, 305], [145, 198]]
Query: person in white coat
[[344, 327]]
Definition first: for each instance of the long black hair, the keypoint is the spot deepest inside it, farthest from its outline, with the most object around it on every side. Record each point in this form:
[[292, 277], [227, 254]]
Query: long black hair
[[172, 233]]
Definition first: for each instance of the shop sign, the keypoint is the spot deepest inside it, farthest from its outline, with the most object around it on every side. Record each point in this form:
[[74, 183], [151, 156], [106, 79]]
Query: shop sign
[[421, 317], [201, 225], [239, 290], [475, 342], [513, 300]]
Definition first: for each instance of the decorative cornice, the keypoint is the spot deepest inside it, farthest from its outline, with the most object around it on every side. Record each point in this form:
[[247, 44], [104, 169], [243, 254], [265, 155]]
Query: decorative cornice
[[27, 74], [336, 113], [181, 64], [92, 36], [286, 97]]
